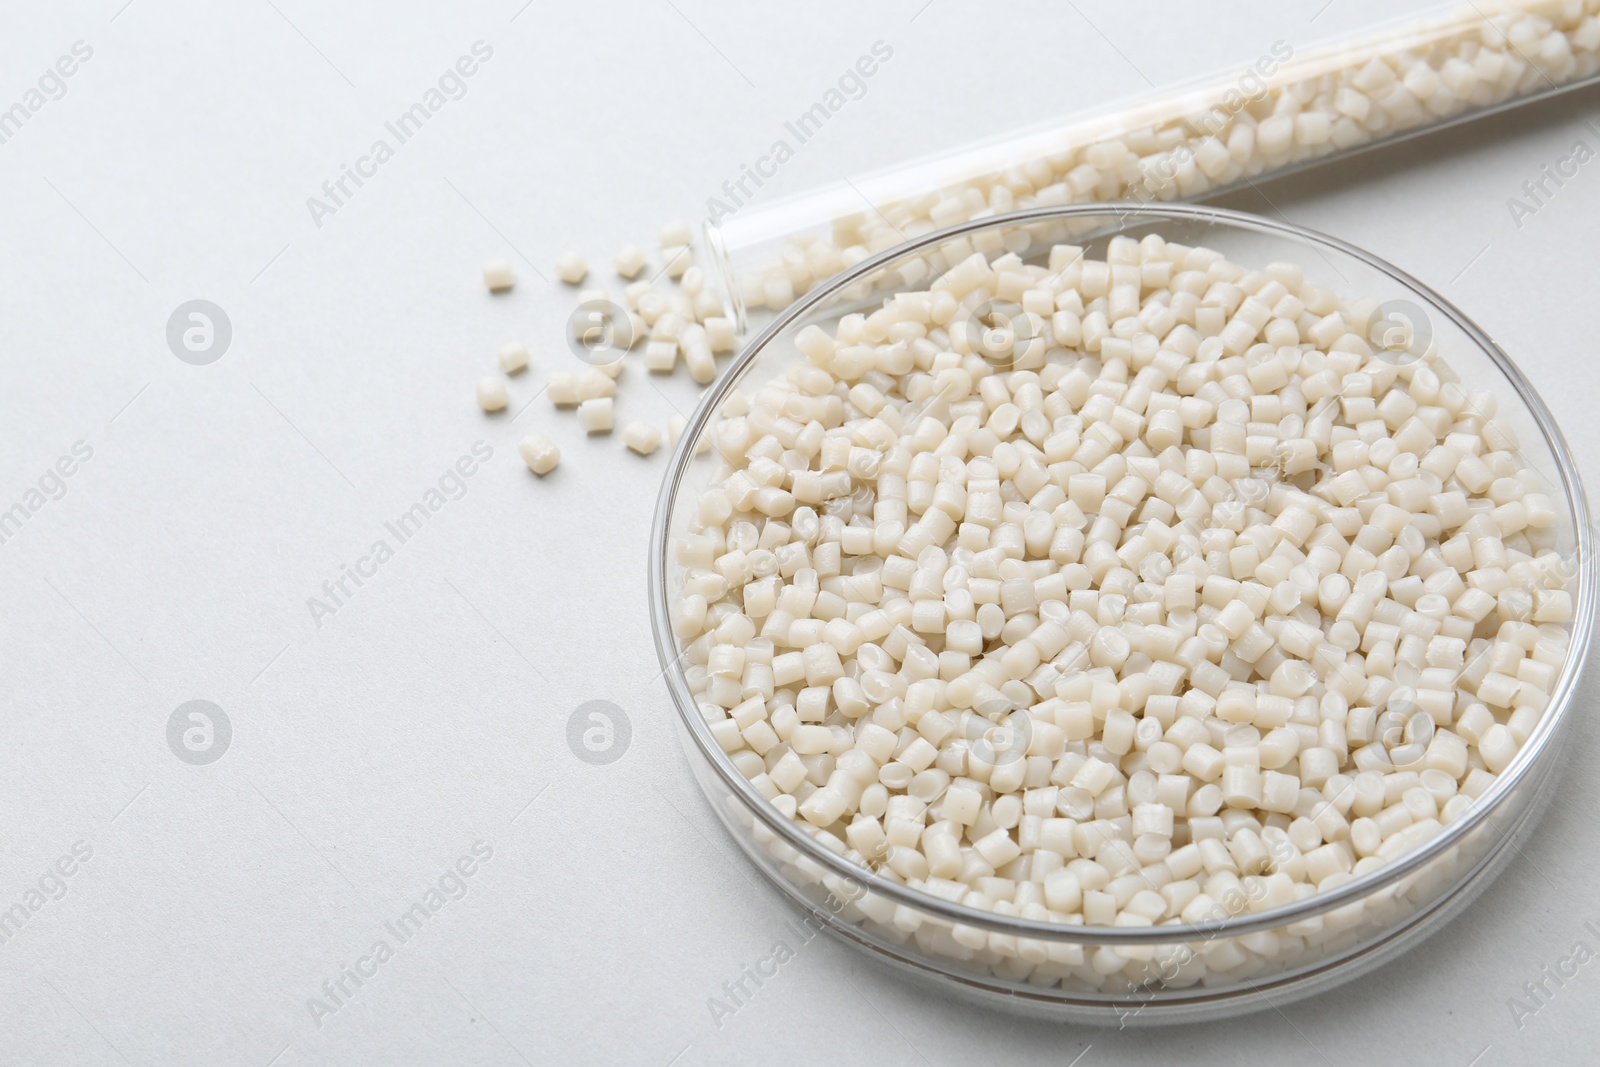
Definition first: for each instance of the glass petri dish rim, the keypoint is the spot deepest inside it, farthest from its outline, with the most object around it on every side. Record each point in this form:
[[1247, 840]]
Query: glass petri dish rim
[[1124, 215]]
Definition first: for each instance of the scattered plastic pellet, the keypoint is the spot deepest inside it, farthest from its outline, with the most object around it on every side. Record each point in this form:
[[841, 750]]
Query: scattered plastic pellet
[[563, 389], [702, 367], [676, 233], [492, 394], [596, 415], [513, 357], [629, 261], [498, 275], [661, 357], [677, 261], [641, 437], [572, 268], [719, 334], [539, 453], [595, 383]]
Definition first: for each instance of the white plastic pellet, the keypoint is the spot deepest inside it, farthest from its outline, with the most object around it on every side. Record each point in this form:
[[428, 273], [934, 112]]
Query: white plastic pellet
[[572, 268], [702, 366], [676, 233], [708, 303], [595, 383], [641, 437], [719, 334], [629, 261], [660, 357], [676, 261], [595, 415], [492, 394], [498, 275], [539, 453], [513, 357], [563, 389]]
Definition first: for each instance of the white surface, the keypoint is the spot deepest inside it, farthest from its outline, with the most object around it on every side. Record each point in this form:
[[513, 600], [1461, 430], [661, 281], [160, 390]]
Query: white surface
[[372, 752]]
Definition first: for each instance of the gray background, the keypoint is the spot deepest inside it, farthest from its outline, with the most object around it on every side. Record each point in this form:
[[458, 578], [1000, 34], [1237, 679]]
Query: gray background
[[430, 712]]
